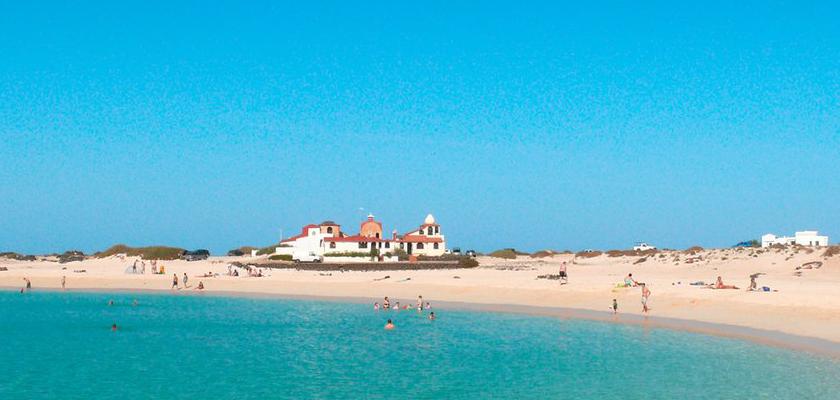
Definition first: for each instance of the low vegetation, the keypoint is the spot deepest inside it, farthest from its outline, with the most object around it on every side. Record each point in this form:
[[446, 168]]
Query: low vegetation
[[693, 250], [588, 254], [831, 251], [147, 253], [242, 251], [464, 261], [509, 254], [280, 257], [15, 256]]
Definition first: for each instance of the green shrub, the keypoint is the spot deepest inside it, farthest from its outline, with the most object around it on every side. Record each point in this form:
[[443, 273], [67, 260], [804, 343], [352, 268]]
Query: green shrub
[[509, 254], [280, 257], [467, 262], [147, 253]]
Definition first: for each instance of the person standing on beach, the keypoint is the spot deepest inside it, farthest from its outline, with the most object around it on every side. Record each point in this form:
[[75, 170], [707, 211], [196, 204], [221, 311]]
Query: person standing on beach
[[645, 297], [615, 306], [564, 277], [63, 282], [134, 267], [185, 280], [420, 303], [174, 281]]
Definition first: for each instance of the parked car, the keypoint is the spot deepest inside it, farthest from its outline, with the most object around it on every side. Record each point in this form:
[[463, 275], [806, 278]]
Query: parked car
[[236, 253], [471, 253], [642, 246], [303, 257], [196, 255], [456, 250]]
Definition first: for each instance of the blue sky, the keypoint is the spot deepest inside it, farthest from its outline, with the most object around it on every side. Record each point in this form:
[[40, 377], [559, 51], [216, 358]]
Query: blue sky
[[561, 125]]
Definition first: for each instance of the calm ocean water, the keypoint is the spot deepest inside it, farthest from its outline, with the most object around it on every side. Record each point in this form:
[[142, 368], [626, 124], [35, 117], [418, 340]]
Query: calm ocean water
[[59, 345]]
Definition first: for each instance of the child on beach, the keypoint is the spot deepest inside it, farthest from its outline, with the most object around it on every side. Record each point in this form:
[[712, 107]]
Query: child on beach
[[615, 306]]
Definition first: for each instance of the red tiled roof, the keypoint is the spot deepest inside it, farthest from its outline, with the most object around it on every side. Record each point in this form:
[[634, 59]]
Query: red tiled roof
[[302, 233]]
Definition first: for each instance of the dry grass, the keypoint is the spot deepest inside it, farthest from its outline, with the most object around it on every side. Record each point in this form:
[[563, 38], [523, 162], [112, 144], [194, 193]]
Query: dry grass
[[588, 254], [831, 251]]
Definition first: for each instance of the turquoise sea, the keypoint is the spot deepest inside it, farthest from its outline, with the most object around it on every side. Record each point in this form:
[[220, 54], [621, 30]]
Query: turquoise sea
[[60, 345]]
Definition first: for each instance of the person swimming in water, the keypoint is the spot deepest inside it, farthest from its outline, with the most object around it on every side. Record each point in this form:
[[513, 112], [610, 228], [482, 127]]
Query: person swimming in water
[[376, 306], [419, 303], [113, 327], [432, 316], [389, 326], [397, 306], [386, 304]]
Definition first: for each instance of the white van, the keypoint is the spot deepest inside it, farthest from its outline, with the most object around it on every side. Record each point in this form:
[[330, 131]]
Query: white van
[[302, 257]]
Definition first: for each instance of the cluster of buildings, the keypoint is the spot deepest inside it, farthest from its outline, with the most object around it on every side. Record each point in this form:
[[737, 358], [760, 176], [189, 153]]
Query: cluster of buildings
[[803, 238], [327, 238]]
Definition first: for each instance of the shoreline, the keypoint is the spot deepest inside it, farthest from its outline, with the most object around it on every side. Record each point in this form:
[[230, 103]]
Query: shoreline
[[812, 345]]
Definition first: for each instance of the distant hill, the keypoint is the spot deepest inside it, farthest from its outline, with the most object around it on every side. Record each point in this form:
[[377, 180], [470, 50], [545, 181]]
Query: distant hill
[[148, 253]]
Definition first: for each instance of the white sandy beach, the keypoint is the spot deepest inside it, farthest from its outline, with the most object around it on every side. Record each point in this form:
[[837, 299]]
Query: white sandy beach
[[806, 305]]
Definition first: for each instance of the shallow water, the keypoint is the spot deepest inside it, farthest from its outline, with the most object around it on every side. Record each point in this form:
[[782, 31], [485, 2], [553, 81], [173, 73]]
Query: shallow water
[[59, 345]]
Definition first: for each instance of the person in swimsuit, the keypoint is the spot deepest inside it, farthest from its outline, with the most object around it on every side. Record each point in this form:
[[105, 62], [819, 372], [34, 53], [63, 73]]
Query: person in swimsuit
[[615, 306], [386, 304], [719, 284], [432, 316], [645, 297], [564, 277], [174, 281], [185, 279], [420, 303], [397, 306], [113, 327], [389, 326], [63, 282], [629, 281], [376, 306]]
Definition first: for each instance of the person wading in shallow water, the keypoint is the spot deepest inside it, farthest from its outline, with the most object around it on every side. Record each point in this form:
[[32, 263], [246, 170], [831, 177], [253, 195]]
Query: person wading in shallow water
[[389, 326]]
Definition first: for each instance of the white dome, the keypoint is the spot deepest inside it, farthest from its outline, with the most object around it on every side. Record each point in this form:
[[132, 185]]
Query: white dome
[[430, 219]]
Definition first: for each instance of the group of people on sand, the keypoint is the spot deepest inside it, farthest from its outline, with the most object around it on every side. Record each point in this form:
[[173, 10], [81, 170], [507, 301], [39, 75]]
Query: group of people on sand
[[139, 267], [630, 281], [420, 307], [186, 282]]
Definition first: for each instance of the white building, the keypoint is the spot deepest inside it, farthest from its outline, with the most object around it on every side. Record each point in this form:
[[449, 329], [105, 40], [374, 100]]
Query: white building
[[803, 238], [327, 238]]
